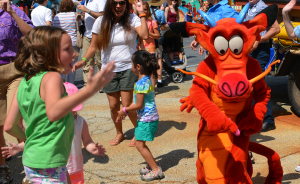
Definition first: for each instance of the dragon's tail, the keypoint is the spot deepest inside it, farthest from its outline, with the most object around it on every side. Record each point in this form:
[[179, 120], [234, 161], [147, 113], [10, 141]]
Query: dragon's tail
[[275, 169]]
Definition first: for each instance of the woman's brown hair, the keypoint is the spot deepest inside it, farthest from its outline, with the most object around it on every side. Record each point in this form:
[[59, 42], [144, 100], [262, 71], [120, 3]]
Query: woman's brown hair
[[108, 21], [66, 6], [39, 50]]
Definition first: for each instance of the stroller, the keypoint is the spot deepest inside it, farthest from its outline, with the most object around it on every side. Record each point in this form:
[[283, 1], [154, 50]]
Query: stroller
[[168, 66]]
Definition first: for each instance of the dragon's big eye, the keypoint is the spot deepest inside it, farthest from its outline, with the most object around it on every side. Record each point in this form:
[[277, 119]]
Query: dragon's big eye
[[221, 45], [236, 44]]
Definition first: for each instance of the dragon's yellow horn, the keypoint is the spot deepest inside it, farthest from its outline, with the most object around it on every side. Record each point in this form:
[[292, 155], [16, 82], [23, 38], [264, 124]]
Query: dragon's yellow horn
[[262, 75], [199, 75]]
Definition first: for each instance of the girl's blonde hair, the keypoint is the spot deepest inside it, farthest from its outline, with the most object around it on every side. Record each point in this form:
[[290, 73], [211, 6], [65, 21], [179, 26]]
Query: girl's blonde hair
[[148, 15], [39, 50]]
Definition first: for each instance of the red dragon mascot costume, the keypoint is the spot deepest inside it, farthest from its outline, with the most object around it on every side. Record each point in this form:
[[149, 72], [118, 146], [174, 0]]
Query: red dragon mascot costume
[[225, 84]]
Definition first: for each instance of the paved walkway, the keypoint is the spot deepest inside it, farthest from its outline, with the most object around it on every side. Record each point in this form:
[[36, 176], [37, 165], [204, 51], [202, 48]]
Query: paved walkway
[[174, 146]]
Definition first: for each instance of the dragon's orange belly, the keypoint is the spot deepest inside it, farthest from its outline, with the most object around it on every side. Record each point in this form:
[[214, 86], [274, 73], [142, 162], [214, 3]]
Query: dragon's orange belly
[[215, 149], [213, 153]]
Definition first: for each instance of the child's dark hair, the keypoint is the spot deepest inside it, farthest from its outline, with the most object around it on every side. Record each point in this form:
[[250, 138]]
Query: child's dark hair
[[147, 61], [53, 11], [40, 1], [39, 50]]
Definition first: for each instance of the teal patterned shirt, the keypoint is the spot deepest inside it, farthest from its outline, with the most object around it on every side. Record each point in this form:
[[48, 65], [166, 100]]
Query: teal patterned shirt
[[149, 112]]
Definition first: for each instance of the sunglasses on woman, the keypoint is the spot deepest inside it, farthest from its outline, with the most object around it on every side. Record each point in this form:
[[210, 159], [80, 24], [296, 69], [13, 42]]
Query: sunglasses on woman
[[121, 3]]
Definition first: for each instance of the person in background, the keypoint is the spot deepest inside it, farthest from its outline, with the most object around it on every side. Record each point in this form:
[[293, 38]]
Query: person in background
[[189, 13], [199, 19], [292, 32], [115, 35], [159, 16], [53, 13], [16, 24], [173, 43], [217, 10], [165, 4], [66, 19], [261, 52], [92, 10], [41, 15], [149, 44], [53, 4], [34, 4]]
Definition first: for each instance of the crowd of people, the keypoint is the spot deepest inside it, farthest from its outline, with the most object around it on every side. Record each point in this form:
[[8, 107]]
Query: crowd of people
[[39, 58]]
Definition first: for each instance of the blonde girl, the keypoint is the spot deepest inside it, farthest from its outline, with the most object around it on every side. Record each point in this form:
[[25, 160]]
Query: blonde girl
[[43, 55]]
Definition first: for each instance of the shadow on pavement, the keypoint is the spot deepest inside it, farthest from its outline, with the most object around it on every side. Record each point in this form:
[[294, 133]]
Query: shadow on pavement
[[259, 138], [165, 89], [97, 159], [16, 168], [291, 176], [189, 57], [258, 179], [172, 158], [163, 126]]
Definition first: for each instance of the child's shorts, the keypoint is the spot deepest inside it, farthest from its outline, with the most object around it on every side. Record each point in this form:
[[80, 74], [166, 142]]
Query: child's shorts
[[56, 175], [145, 131]]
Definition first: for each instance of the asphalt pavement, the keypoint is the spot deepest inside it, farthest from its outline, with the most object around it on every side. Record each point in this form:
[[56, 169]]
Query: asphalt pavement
[[174, 146]]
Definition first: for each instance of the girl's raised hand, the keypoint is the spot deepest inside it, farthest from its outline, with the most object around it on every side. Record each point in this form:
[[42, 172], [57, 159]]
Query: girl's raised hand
[[103, 77], [98, 150], [289, 6], [139, 6], [11, 150]]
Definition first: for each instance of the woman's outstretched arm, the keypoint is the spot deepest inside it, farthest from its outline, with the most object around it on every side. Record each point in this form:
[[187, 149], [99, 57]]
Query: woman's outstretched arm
[[288, 25]]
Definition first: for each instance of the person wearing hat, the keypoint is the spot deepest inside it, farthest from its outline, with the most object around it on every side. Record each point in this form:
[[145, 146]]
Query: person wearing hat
[[164, 5], [189, 13], [159, 16]]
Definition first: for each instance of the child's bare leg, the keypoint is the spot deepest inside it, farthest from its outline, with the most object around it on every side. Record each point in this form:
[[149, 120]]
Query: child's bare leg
[[180, 55], [145, 152], [159, 71], [127, 99]]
